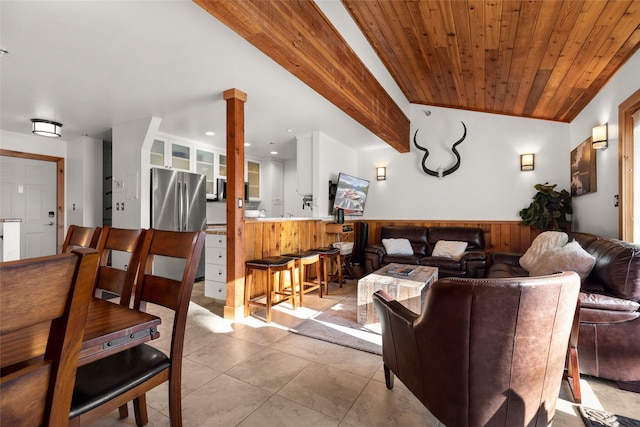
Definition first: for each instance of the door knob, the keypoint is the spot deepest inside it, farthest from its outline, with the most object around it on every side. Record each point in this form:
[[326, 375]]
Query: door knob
[[50, 224]]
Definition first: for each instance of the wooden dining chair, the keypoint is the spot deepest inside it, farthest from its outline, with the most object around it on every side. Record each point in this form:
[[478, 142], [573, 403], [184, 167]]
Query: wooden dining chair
[[109, 383], [45, 299], [112, 280], [81, 237]]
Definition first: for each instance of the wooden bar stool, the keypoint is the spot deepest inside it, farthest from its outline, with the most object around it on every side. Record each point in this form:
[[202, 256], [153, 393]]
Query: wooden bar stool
[[326, 255], [303, 260], [270, 265]]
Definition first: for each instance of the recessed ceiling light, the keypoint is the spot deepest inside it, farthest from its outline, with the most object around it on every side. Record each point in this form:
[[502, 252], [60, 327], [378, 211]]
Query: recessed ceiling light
[[246, 144], [274, 152], [289, 130], [209, 133]]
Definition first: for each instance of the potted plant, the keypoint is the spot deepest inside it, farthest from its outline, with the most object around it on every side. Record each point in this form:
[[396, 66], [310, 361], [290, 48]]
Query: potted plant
[[549, 209]]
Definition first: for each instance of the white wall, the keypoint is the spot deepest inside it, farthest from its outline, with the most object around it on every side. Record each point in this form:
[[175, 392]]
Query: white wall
[[131, 180], [29, 143], [84, 182], [330, 157], [293, 200], [595, 212], [488, 185], [83, 172]]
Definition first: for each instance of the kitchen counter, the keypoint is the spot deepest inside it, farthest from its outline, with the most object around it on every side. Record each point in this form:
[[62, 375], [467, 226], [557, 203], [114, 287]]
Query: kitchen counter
[[295, 218], [216, 229]]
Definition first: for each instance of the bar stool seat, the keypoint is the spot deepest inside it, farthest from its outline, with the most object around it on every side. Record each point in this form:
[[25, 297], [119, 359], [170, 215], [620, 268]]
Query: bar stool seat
[[304, 259], [275, 296], [326, 255]]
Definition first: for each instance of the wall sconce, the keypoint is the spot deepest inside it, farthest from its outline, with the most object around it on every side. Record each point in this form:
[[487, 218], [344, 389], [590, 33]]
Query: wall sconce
[[527, 162], [381, 173], [46, 128], [599, 135]]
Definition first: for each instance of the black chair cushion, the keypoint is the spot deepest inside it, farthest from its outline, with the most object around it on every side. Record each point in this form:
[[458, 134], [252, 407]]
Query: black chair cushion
[[274, 261], [104, 379], [326, 251], [300, 255]]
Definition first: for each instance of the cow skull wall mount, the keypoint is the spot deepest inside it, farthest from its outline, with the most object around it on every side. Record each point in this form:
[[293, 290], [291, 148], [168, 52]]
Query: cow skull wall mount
[[440, 173]]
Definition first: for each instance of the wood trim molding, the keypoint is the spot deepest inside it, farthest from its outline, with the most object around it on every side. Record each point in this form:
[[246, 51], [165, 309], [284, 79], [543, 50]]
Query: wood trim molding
[[59, 161], [299, 37], [625, 165]]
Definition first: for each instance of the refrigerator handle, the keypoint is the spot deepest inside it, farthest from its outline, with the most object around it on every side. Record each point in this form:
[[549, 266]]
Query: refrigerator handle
[[185, 207], [180, 206]]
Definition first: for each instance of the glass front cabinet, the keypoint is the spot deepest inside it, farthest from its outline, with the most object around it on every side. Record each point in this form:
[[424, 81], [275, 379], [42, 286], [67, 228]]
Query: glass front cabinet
[[167, 153], [205, 166]]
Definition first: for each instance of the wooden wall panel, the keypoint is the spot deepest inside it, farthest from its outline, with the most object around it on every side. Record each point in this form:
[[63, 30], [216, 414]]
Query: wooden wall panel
[[500, 236], [273, 238]]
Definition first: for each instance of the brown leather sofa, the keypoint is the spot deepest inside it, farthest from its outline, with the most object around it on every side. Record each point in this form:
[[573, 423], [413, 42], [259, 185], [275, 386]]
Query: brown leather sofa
[[609, 337], [484, 352], [472, 263]]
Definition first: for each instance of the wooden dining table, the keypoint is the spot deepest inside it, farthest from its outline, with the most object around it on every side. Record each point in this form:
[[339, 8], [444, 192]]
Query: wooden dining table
[[110, 328], [113, 327]]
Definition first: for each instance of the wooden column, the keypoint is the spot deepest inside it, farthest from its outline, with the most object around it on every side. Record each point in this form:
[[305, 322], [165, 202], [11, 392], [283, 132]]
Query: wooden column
[[235, 203]]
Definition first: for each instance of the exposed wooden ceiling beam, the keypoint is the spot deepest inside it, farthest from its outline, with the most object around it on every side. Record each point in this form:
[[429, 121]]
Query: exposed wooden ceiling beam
[[298, 36]]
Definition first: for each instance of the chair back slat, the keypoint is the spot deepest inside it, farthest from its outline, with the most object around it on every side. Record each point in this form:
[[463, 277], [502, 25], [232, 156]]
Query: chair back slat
[[161, 291], [113, 279], [81, 237], [46, 299]]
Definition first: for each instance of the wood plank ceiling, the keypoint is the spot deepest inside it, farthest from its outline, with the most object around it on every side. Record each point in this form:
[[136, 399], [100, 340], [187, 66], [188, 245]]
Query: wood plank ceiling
[[542, 59]]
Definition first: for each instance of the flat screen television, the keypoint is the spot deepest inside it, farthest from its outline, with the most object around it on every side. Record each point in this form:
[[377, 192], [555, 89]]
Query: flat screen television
[[351, 194]]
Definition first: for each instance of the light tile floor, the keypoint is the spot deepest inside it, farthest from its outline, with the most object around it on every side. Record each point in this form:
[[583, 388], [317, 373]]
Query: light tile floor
[[253, 374]]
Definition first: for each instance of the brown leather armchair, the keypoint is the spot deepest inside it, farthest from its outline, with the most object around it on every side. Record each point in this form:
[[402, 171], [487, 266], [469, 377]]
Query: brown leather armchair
[[484, 352]]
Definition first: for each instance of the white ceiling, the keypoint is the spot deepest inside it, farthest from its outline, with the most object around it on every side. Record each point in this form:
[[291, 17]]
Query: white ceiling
[[93, 65]]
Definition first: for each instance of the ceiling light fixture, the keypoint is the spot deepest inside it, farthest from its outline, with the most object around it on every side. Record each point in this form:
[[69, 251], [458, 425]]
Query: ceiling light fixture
[[274, 152], [246, 144], [209, 133], [46, 128]]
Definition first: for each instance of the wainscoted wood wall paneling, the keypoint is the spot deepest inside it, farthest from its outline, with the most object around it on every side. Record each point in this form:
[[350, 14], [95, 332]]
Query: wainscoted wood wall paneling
[[499, 236], [274, 238]]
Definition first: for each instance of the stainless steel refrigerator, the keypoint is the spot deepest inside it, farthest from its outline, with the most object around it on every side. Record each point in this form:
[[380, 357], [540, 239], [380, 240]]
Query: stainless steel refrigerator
[[178, 203]]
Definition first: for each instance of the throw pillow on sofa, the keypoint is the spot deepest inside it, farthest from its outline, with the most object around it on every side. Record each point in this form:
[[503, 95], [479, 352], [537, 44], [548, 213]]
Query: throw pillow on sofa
[[449, 249], [397, 246], [571, 257], [542, 243]]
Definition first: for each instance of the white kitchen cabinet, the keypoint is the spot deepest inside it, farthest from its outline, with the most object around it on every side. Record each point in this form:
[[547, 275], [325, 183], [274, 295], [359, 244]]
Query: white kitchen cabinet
[[215, 268], [253, 178], [304, 165], [205, 166], [169, 154]]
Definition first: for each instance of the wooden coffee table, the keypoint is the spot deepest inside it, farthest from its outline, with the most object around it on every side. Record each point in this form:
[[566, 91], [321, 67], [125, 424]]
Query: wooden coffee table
[[410, 291]]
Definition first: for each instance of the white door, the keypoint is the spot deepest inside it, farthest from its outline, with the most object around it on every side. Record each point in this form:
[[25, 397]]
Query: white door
[[28, 192]]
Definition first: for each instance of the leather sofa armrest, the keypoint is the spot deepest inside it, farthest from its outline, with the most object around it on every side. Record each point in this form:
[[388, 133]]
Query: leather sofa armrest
[[474, 262], [509, 258], [373, 257], [473, 256]]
